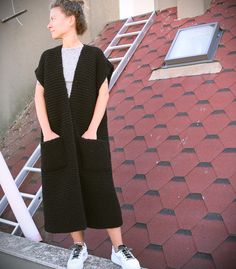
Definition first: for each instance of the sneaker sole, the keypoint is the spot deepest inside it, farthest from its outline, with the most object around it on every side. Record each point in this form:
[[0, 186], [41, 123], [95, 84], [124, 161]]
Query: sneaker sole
[[117, 261]]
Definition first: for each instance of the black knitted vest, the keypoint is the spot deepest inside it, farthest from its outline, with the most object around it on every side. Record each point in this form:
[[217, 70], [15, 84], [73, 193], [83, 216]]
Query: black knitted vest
[[77, 183]]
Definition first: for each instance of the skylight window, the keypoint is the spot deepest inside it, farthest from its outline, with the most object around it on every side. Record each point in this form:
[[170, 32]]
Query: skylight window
[[194, 44]]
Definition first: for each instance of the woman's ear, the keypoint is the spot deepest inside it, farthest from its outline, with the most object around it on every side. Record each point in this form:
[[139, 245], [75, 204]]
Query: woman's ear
[[72, 20]]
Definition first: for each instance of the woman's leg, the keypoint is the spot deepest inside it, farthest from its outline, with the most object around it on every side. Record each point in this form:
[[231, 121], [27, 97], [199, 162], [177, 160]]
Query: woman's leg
[[114, 233], [115, 236], [78, 236], [79, 252]]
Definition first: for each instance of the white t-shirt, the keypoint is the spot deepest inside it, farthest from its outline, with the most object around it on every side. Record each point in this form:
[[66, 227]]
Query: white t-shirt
[[70, 57]]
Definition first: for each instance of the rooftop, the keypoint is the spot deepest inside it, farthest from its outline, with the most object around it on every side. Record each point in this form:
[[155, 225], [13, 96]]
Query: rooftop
[[173, 149]]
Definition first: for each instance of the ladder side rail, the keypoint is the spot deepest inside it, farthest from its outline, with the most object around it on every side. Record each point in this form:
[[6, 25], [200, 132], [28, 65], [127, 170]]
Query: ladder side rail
[[21, 176], [130, 51], [36, 201], [32, 208], [17, 203], [115, 40]]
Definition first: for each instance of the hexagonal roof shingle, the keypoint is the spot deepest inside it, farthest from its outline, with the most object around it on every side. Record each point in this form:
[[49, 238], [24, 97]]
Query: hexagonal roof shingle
[[173, 151]]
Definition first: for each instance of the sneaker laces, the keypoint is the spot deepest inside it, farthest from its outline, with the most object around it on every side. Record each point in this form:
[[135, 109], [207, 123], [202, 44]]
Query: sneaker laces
[[77, 249], [126, 251]]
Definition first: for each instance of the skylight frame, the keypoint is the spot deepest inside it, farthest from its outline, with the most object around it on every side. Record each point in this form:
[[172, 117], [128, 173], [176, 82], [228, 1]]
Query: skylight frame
[[197, 58]]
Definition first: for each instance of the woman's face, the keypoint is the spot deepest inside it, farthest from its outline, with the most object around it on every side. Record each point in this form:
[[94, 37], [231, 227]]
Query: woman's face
[[60, 25]]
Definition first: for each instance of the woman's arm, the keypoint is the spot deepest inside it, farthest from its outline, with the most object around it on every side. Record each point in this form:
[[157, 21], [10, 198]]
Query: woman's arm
[[99, 111], [41, 112]]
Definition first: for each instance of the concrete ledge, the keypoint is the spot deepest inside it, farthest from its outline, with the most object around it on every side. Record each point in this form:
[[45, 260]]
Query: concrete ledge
[[188, 70], [43, 255]]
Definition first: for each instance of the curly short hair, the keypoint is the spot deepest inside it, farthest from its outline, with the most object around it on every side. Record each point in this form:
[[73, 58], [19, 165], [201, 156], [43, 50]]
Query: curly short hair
[[73, 7]]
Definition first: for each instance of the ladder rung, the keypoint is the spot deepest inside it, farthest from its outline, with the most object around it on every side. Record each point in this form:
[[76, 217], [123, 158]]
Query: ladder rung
[[118, 59], [128, 34], [135, 22], [120, 46], [27, 195], [12, 223], [32, 169], [140, 35]]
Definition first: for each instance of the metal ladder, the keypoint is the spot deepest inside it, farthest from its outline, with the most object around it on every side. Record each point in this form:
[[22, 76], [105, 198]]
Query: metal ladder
[[36, 199], [132, 46]]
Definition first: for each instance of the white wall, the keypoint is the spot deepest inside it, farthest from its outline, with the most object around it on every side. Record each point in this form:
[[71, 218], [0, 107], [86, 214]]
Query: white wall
[[22, 44], [135, 7]]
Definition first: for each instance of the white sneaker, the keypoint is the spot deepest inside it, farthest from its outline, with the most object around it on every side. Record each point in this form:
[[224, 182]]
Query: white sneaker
[[124, 258], [77, 257]]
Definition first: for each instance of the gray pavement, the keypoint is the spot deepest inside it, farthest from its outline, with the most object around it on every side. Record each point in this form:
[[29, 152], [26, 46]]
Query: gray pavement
[[21, 253]]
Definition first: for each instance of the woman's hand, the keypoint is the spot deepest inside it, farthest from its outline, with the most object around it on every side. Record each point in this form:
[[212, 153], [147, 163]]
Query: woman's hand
[[90, 134], [49, 136]]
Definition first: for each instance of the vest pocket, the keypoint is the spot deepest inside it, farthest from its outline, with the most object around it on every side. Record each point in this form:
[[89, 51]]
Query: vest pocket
[[94, 154], [53, 156]]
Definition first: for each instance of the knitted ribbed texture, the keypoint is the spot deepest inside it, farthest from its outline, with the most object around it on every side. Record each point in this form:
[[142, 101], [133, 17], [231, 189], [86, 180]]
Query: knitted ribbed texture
[[77, 182]]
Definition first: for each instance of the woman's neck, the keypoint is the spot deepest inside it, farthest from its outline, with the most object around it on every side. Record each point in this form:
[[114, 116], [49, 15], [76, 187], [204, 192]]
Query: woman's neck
[[71, 42]]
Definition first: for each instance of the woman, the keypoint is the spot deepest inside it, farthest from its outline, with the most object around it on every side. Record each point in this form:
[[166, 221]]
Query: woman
[[71, 96]]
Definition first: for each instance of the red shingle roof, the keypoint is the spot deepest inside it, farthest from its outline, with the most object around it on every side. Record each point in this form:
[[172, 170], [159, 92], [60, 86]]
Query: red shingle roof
[[173, 150]]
